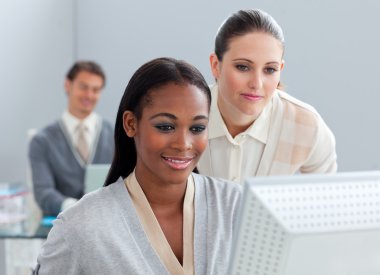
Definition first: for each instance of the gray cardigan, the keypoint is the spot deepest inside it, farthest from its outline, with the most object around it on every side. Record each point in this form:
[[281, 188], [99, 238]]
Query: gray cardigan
[[101, 234], [57, 169]]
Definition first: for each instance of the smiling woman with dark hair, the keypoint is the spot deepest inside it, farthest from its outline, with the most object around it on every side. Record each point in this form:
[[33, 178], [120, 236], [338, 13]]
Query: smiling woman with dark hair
[[162, 218]]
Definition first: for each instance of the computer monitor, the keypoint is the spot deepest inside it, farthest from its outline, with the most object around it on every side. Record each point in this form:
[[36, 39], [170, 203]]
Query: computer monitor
[[95, 176], [309, 225]]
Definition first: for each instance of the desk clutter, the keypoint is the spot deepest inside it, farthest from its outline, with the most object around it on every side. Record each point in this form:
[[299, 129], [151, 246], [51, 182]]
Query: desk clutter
[[13, 211]]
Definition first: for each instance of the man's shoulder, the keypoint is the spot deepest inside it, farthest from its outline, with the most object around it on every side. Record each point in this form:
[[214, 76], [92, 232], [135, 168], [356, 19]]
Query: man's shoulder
[[106, 124], [48, 131], [46, 138]]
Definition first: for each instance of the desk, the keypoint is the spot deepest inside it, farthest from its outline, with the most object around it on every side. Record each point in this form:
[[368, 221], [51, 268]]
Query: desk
[[20, 247]]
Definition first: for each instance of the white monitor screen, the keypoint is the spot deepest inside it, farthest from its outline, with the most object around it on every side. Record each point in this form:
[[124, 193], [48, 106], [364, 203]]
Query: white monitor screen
[[309, 225]]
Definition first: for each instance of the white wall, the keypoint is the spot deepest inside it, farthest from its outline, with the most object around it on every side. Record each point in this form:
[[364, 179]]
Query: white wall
[[332, 55], [36, 48]]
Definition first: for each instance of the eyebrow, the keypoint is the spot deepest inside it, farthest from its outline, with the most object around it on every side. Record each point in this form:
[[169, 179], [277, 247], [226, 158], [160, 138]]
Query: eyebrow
[[171, 116], [250, 61], [84, 84], [200, 117]]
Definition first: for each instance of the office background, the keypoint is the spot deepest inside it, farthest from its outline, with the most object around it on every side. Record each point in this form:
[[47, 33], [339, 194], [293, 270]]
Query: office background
[[331, 60]]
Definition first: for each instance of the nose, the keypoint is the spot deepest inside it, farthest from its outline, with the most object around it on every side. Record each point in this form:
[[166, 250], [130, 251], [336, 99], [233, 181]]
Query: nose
[[89, 93], [255, 81], [182, 141], [86, 91]]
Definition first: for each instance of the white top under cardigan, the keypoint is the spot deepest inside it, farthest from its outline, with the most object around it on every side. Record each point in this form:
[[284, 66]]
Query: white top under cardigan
[[101, 234]]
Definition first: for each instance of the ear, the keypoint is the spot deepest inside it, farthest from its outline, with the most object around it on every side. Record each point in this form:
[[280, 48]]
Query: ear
[[68, 84], [282, 65], [214, 63], [129, 123]]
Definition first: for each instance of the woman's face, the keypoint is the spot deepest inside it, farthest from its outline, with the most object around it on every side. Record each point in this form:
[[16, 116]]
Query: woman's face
[[248, 74], [171, 134]]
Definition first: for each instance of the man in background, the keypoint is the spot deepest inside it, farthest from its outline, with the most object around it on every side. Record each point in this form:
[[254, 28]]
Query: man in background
[[59, 153]]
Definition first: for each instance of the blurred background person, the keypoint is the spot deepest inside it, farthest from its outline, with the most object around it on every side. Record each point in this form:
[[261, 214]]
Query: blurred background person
[[59, 153]]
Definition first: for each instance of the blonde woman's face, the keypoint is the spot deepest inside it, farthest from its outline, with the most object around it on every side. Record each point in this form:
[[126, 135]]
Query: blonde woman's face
[[248, 74]]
